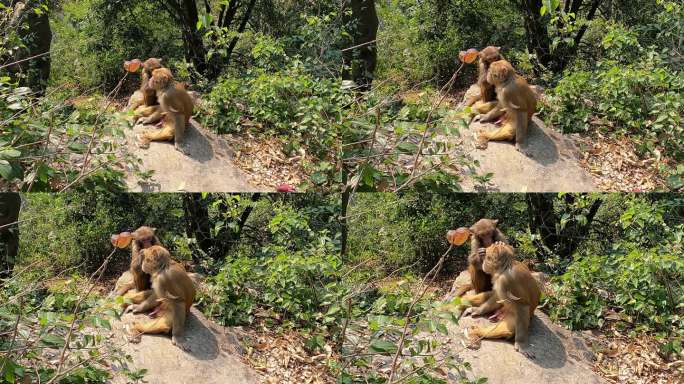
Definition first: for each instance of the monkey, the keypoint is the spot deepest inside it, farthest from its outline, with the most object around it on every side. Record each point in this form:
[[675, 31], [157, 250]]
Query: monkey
[[486, 100], [175, 106], [516, 290], [174, 291], [136, 285], [517, 103], [482, 234], [145, 97]]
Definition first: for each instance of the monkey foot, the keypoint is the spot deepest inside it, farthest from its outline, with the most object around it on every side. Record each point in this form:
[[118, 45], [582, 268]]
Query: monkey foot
[[481, 141], [142, 142], [524, 349], [134, 336], [524, 149], [471, 340], [181, 343]]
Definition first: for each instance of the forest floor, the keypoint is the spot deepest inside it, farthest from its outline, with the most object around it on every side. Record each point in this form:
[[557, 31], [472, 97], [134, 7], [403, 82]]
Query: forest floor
[[205, 165]]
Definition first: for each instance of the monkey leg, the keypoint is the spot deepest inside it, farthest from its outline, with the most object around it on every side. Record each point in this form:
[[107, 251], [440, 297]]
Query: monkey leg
[[477, 299], [463, 289], [177, 120], [520, 122], [164, 134], [144, 111], [154, 117], [522, 329], [178, 326], [482, 107], [502, 330], [137, 297], [505, 133], [494, 114], [162, 324]]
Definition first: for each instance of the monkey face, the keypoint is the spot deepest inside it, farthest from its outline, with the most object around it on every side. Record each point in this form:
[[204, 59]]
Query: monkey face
[[145, 237], [155, 259], [484, 230], [151, 64], [499, 72], [498, 257], [160, 79], [490, 54]]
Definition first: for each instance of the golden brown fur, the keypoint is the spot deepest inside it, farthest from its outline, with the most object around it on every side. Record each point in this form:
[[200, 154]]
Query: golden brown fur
[[516, 100], [137, 287], [483, 234], [174, 291], [146, 97], [515, 289], [487, 93], [175, 106]]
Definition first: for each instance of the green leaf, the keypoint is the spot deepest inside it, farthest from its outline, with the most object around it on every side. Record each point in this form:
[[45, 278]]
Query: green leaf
[[5, 170], [51, 340], [382, 346]]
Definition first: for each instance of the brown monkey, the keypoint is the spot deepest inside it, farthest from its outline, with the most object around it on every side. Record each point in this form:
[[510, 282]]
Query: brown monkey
[[175, 106], [516, 290], [482, 234], [516, 100], [173, 290], [136, 286], [487, 96], [145, 97]]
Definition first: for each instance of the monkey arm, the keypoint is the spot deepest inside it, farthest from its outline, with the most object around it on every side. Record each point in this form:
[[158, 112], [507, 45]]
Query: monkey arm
[[494, 114], [155, 116]]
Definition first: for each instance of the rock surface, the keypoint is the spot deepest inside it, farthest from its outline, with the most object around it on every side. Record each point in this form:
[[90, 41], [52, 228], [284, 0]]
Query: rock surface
[[215, 356], [560, 356], [552, 164], [206, 166]]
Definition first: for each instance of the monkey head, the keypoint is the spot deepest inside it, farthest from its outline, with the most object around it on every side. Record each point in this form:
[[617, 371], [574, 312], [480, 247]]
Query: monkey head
[[145, 237], [498, 258], [490, 54], [151, 64], [155, 258], [500, 72], [161, 78], [484, 230]]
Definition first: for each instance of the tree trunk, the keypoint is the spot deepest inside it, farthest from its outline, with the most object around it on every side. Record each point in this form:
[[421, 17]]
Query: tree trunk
[[10, 205], [344, 228], [195, 52], [361, 61], [536, 32], [544, 221], [197, 224], [34, 31]]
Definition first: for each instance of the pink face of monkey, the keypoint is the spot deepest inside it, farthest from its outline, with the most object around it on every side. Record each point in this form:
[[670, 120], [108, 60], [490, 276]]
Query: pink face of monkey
[[160, 79]]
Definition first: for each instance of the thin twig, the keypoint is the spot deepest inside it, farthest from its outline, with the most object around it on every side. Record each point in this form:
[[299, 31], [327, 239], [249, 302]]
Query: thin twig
[[432, 274]]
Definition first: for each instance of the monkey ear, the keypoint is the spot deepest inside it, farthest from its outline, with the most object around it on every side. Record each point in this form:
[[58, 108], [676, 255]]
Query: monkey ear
[[154, 229], [495, 222]]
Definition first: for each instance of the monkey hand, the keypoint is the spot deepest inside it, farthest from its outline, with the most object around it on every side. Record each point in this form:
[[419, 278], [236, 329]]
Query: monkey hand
[[133, 308], [471, 311], [477, 117]]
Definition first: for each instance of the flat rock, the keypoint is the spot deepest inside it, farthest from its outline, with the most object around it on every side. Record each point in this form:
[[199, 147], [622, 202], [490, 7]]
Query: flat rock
[[215, 356], [551, 166], [560, 356], [206, 165]]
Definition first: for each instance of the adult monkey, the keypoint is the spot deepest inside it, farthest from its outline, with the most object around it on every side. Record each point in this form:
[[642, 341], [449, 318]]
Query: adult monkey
[[175, 106], [515, 289], [487, 97], [142, 238], [174, 291], [516, 100], [482, 234], [145, 97]]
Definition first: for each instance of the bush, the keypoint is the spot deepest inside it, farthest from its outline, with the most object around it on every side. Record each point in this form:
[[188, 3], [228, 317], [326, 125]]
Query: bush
[[640, 278], [295, 287], [286, 101]]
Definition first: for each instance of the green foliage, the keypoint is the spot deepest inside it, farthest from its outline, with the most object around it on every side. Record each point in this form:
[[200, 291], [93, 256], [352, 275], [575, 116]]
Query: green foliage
[[279, 96], [633, 88], [421, 40], [73, 230], [43, 316], [293, 281], [95, 37], [639, 279]]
